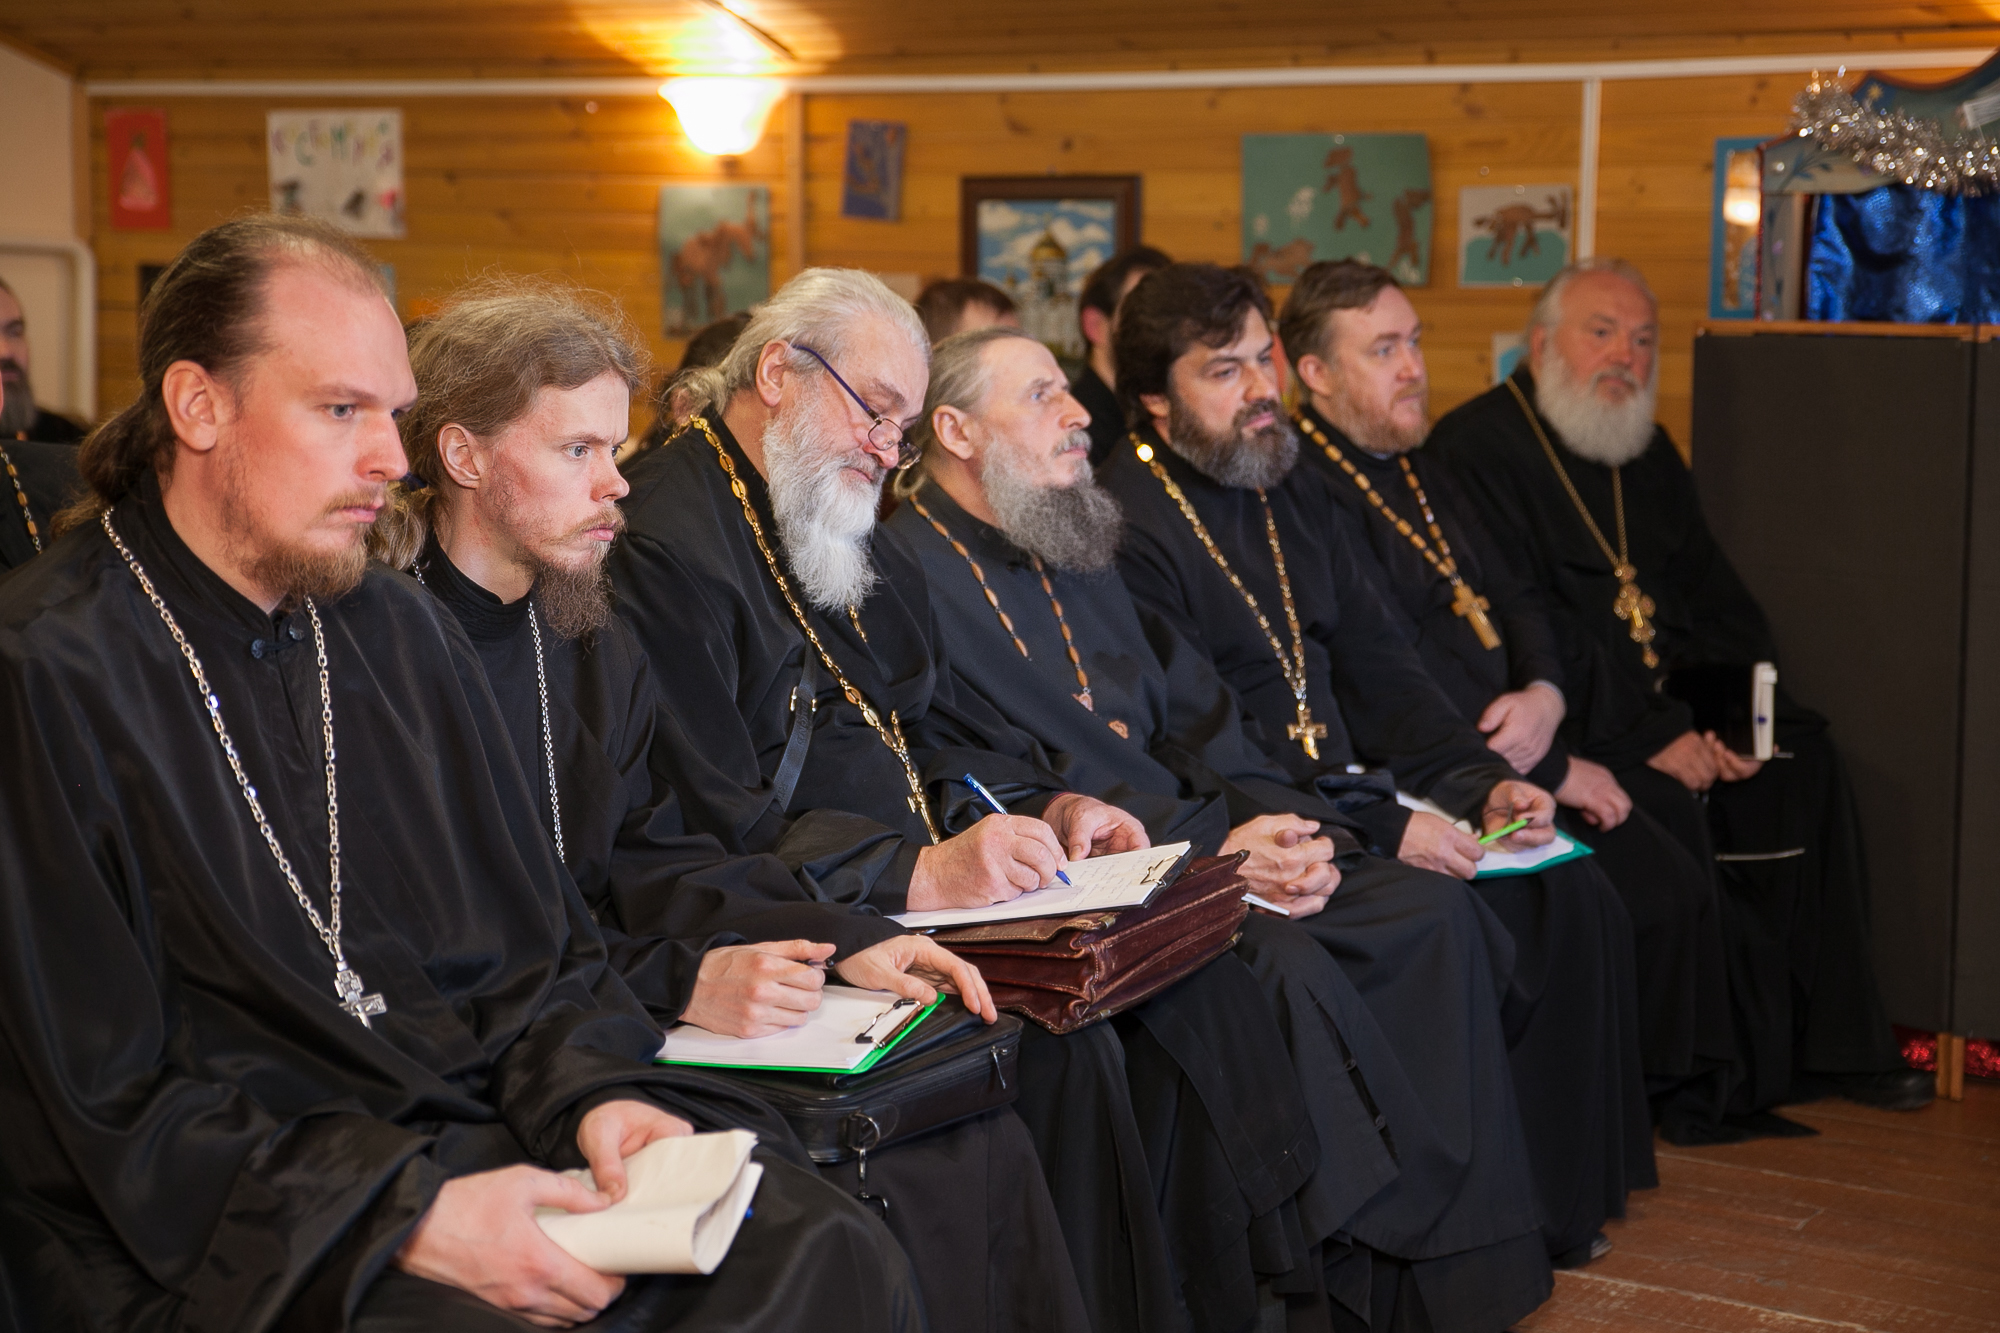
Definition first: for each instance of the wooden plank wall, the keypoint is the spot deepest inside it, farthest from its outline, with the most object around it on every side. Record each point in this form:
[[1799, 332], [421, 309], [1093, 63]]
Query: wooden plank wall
[[549, 185]]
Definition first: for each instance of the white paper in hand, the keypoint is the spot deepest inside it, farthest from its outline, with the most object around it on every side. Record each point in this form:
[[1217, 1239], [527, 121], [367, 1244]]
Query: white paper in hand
[[684, 1200], [1099, 884]]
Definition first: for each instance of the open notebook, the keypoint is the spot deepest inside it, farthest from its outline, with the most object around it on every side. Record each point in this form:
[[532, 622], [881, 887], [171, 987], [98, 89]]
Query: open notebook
[[850, 1031], [1100, 884], [684, 1201], [1497, 863]]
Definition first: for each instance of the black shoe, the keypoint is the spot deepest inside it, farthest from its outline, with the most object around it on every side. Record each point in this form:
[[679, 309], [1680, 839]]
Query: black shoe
[[1596, 1248], [1892, 1090]]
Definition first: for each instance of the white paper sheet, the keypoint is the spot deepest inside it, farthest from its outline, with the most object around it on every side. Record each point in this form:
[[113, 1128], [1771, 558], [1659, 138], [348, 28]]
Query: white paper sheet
[[825, 1041], [685, 1199], [1101, 884], [1496, 861]]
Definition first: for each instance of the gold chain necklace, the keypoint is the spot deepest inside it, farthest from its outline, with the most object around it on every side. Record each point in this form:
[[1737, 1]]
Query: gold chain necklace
[[892, 734], [1069, 643], [1464, 601], [27, 514], [1632, 605], [1305, 731]]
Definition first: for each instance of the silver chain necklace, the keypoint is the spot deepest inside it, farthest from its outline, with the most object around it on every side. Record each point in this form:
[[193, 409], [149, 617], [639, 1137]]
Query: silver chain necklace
[[548, 735], [346, 981]]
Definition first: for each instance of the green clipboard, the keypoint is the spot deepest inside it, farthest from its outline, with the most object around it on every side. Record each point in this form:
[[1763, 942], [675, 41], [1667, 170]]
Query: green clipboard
[[1576, 852], [894, 1039]]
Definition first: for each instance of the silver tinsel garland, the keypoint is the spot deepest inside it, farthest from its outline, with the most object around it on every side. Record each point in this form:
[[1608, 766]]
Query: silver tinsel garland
[[1892, 143]]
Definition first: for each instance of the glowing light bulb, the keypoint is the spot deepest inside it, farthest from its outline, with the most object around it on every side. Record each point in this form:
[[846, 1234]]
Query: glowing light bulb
[[1741, 207], [723, 116]]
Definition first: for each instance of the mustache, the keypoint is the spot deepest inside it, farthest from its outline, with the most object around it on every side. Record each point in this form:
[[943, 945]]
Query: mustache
[[1074, 442], [9, 366], [611, 516], [375, 497], [1624, 377]]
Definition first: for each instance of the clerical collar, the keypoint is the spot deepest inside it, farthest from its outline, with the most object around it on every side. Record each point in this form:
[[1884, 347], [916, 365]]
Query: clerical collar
[[982, 536], [485, 617], [141, 518]]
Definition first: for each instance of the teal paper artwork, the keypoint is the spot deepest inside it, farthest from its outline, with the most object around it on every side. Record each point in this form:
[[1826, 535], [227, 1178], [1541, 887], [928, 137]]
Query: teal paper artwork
[[715, 253], [1311, 197], [1512, 235]]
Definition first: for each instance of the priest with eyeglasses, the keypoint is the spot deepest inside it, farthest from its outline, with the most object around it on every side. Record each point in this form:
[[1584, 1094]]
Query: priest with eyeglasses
[[300, 1014]]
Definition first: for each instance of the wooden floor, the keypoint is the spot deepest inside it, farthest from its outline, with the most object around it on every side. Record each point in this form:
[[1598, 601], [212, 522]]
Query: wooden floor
[[1888, 1221]]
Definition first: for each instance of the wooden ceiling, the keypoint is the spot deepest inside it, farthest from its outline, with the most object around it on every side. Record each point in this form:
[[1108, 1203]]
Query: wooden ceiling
[[328, 39]]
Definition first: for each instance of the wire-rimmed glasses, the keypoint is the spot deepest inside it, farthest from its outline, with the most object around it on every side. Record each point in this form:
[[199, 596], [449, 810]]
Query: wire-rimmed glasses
[[882, 432]]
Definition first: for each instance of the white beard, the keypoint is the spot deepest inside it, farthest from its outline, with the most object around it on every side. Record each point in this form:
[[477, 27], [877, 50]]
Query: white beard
[[1609, 433], [824, 518]]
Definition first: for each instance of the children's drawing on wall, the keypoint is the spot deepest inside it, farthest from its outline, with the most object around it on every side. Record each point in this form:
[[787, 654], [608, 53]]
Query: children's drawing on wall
[[1310, 197], [1512, 235], [715, 253], [343, 166]]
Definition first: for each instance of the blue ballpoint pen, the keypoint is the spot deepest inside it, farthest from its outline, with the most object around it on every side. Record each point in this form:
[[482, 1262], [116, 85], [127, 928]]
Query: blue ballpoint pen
[[998, 808]]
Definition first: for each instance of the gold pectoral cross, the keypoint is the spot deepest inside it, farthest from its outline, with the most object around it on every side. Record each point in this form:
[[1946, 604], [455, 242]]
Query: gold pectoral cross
[[1306, 732], [1465, 602], [1636, 608]]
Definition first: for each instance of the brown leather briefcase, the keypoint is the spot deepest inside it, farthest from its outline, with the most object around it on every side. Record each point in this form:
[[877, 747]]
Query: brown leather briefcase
[[1067, 972]]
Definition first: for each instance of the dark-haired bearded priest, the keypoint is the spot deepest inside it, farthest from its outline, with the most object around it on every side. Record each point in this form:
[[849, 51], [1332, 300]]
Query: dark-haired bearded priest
[[1251, 559], [1018, 541]]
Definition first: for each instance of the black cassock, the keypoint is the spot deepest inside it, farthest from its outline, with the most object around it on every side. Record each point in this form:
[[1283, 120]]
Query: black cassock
[[48, 481], [198, 1136], [1107, 415], [1801, 981], [1571, 1010], [662, 896], [1220, 1113], [1687, 1044], [1165, 739]]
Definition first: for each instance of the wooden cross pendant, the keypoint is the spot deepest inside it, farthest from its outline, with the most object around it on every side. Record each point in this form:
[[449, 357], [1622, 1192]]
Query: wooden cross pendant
[[347, 983], [1306, 732], [1465, 602]]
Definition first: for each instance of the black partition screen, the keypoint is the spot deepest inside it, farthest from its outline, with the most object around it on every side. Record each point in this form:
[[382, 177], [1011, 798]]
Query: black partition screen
[[1841, 474]]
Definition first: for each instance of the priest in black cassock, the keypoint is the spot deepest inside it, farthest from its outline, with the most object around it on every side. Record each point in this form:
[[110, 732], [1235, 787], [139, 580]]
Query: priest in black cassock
[[41, 479], [1018, 542], [1572, 474], [1175, 1140], [1486, 638], [1251, 559], [253, 1080], [1096, 316], [524, 394]]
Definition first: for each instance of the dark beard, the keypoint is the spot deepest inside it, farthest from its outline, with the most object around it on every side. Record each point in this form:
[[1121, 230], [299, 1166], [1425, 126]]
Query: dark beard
[[574, 603], [1075, 527], [17, 414], [1255, 460]]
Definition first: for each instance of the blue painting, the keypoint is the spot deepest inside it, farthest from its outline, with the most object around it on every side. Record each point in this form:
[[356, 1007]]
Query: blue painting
[[1312, 197], [1039, 251], [715, 253], [871, 186]]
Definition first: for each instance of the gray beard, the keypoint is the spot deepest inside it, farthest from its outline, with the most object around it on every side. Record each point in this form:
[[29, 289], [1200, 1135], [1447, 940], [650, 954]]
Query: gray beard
[[1612, 434], [1075, 527], [17, 414], [1255, 460], [824, 521]]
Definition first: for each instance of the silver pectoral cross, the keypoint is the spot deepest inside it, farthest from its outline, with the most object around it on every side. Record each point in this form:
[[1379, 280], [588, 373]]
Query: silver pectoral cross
[[347, 982]]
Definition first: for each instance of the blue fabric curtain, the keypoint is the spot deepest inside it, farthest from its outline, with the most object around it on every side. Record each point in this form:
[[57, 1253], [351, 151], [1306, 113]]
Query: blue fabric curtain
[[1907, 256]]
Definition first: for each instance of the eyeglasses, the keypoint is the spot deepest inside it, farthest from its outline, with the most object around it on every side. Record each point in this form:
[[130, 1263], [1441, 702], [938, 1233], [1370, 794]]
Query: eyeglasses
[[882, 432]]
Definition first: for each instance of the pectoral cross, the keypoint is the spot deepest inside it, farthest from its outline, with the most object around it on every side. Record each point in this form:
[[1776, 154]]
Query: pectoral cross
[[347, 983], [1306, 732], [1637, 608], [1465, 602]]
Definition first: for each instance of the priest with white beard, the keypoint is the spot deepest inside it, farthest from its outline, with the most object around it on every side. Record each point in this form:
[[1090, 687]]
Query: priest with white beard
[[1572, 474]]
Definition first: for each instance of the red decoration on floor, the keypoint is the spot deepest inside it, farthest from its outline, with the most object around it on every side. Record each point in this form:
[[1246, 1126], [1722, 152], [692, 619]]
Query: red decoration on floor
[[1982, 1058]]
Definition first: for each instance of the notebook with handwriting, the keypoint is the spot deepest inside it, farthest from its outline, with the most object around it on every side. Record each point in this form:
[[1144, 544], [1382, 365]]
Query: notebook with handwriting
[[1100, 884], [849, 1032]]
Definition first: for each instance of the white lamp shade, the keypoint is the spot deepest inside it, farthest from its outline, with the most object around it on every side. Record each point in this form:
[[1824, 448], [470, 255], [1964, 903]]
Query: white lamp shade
[[723, 116]]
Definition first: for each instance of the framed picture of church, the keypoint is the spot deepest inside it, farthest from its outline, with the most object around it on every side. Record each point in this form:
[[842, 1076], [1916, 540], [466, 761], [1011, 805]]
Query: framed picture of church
[[1038, 237]]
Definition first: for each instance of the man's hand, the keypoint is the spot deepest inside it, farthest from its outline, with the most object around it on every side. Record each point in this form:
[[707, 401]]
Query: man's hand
[[999, 858], [613, 1131], [1729, 765], [1435, 844], [915, 965], [1087, 827], [1287, 864], [480, 1235], [1690, 761], [1591, 789], [1521, 725], [1509, 801], [753, 990]]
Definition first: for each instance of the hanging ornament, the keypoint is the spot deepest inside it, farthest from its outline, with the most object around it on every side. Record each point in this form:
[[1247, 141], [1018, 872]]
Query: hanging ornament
[[1893, 144]]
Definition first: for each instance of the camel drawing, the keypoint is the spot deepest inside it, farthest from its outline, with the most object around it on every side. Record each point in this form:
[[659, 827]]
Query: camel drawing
[[697, 266], [1405, 206], [1517, 222], [1285, 262], [1343, 179]]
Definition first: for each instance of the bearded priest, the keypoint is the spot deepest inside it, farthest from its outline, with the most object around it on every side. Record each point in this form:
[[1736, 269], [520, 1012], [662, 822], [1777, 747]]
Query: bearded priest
[[251, 1079], [1575, 478], [1249, 557]]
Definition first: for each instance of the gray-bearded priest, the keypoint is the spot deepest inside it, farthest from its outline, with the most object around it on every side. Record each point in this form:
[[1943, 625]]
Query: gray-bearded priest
[[1573, 476], [1252, 559], [298, 1005]]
